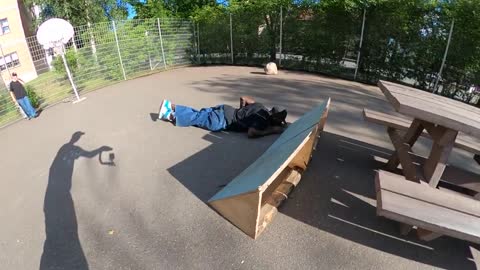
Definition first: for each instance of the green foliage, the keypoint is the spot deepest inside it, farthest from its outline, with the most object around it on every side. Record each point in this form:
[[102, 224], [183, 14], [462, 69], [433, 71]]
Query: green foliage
[[80, 12], [147, 9], [33, 96], [6, 104], [71, 58], [151, 9], [403, 41]]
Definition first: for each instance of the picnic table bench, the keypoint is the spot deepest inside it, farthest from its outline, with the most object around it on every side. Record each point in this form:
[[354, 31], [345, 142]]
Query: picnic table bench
[[251, 199], [430, 209], [416, 199]]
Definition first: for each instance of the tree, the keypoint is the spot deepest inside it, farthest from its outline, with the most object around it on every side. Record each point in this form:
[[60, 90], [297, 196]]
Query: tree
[[81, 12], [150, 9], [161, 8]]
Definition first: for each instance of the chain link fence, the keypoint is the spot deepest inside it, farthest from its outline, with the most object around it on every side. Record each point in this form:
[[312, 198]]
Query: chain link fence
[[365, 45], [99, 55]]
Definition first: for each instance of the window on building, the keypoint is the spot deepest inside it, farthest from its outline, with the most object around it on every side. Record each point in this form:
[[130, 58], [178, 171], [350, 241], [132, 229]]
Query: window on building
[[11, 60], [4, 26]]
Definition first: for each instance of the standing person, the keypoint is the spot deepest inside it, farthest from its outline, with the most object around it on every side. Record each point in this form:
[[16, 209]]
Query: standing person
[[252, 117], [19, 96]]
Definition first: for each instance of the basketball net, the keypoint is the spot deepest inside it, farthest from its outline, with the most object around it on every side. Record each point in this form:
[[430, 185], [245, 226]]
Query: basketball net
[[58, 47]]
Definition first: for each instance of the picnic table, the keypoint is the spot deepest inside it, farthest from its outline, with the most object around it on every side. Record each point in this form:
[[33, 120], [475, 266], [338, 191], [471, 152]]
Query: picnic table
[[441, 117], [420, 202]]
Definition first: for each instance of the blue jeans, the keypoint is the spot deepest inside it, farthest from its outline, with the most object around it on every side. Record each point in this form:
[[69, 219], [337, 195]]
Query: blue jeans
[[27, 107], [212, 119]]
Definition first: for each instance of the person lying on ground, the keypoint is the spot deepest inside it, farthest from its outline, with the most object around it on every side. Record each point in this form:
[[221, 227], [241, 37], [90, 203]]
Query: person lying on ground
[[252, 117]]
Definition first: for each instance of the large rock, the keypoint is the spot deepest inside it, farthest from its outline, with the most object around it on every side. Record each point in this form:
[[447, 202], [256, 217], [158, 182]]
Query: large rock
[[271, 69]]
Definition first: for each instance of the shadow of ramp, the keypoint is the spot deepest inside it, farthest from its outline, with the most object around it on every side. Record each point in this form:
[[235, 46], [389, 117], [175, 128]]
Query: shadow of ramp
[[337, 195], [209, 170]]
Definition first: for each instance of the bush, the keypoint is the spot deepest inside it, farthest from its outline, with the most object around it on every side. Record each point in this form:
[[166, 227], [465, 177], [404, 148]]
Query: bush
[[34, 98], [6, 104], [71, 58]]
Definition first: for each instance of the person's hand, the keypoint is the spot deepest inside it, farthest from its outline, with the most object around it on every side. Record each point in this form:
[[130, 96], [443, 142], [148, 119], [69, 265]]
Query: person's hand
[[105, 148]]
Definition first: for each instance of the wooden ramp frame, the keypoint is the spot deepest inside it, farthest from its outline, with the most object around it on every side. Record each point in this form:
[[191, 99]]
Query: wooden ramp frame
[[251, 199]]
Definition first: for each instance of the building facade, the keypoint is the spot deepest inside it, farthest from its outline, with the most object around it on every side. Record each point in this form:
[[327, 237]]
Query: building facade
[[15, 25]]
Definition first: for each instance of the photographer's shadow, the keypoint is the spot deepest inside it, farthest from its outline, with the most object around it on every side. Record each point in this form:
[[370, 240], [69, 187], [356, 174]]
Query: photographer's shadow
[[62, 248]]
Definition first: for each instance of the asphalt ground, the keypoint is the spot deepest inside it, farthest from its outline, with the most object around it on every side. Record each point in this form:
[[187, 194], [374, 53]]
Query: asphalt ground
[[142, 204]]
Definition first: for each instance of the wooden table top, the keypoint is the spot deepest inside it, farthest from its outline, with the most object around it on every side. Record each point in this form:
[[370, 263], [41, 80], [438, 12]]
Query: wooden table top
[[433, 108]]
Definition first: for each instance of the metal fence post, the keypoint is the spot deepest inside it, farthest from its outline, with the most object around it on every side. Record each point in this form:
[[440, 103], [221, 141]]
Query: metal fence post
[[69, 74], [161, 43], [281, 36], [92, 42], [231, 38], [198, 38], [444, 57], [360, 45], [118, 49], [195, 39]]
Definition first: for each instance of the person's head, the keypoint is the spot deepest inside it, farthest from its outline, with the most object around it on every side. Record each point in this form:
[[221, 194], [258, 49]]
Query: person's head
[[278, 116], [14, 76], [76, 136]]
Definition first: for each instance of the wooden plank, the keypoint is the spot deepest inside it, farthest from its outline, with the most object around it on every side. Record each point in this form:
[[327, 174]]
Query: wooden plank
[[433, 108], [475, 250], [450, 201], [463, 141], [242, 211], [272, 200], [287, 181], [303, 157], [432, 130], [430, 217], [260, 174], [321, 124], [426, 235], [472, 146], [267, 214], [453, 175], [395, 183], [409, 140], [401, 152], [447, 136], [428, 96], [437, 161], [385, 119]]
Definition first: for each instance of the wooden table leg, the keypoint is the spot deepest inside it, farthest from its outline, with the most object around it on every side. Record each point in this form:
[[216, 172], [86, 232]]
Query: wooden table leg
[[410, 138], [443, 142], [427, 235], [402, 150], [475, 250], [437, 161]]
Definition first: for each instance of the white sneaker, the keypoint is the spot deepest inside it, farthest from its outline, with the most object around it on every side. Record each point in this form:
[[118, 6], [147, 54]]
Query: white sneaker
[[165, 112]]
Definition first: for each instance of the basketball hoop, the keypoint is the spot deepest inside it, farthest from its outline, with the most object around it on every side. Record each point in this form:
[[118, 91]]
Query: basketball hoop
[[55, 33]]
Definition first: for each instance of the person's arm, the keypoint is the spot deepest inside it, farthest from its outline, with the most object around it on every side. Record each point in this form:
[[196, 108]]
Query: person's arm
[[91, 154], [13, 97], [246, 100], [255, 133]]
